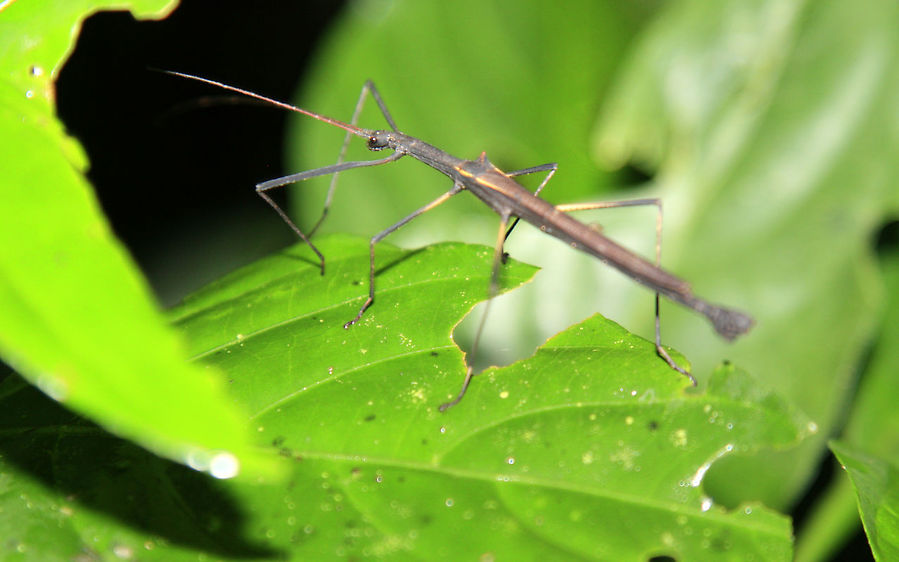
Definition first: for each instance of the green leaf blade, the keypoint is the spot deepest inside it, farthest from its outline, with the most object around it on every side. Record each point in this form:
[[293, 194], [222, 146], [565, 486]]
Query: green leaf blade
[[594, 427], [288, 319], [79, 320]]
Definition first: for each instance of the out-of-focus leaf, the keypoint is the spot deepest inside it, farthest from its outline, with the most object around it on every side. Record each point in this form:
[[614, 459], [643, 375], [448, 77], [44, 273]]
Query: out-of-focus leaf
[[77, 318], [520, 80], [772, 129], [72, 491], [873, 424]]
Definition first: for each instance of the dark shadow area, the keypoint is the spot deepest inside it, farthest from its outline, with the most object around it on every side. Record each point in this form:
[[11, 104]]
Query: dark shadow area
[[173, 163], [381, 267], [887, 239], [89, 467], [856, 548], [632, 176], [311, 261]]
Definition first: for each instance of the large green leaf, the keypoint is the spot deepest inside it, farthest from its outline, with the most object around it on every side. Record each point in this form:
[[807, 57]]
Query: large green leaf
[[769, 129], [876, 483], [591, 449], [78, 319]]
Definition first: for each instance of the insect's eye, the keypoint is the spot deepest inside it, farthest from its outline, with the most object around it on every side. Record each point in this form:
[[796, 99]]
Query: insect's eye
[[376, 143]]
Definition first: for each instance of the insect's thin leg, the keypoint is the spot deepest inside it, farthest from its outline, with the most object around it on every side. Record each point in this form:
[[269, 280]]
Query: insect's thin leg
[[360, 103], [494, 289], [663, 353], [324, 171], [570, 207], [303, 237], [634, 203], [261, 189], [551, 168], [383, 234]]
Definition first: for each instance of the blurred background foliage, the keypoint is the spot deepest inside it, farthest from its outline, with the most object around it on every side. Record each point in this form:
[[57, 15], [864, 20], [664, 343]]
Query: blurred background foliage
[[768, 128]]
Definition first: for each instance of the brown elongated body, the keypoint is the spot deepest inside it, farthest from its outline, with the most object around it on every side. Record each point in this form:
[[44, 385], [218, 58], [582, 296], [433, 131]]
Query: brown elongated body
[[506, 196]]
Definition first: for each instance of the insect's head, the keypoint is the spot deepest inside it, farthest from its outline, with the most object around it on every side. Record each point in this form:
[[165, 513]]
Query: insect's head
[[379, 140]]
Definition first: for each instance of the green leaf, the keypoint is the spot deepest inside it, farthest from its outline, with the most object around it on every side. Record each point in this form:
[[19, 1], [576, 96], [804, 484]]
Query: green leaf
[[593, 448], [69, 490], [78, 319], [282, 321], [876, 483], [566, 453]]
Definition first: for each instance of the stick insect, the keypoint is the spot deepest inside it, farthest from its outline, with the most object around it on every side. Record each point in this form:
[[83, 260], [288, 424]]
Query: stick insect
[[509, 199]]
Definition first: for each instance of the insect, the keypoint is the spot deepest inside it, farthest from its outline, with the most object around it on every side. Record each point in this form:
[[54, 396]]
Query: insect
[[509, 199]]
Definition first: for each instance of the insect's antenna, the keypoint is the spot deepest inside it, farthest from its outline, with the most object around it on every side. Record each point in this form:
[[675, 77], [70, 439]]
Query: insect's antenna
[[346, 126]]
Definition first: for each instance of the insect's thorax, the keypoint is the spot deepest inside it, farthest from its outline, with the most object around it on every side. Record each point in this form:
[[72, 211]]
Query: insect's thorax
[[428, 154]]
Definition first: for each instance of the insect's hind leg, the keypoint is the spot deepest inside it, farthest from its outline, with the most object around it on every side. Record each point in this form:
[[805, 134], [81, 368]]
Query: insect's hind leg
[[551, 167], [367, 88], [494, 289], [661, 351]]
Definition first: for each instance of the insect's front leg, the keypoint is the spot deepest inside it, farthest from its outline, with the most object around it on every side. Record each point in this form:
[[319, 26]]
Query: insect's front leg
[[383, 234], [367, 88]]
